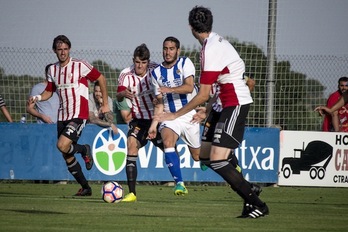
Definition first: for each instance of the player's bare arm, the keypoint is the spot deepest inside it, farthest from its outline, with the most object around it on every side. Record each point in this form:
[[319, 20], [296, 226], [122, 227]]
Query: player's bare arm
[[158, 109], [45, 95], [200, 98], [124, 94], [335, 121], [203, 112], [186, 88], [32, 110], [337, 106], [102, 83]]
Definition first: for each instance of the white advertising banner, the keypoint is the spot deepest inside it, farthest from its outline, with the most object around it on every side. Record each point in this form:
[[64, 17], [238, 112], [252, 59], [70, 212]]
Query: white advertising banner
[[313, 159]]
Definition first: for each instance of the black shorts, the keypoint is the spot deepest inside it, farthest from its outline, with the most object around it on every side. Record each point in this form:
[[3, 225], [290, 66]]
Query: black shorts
[[228, 126], [71, 128], [209, 126], [138, 128]]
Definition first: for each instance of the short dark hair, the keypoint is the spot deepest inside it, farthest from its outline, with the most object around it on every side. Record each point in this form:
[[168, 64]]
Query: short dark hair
[[174, 40], [342, 79], [62, 39], [201, 19], [142, 52]]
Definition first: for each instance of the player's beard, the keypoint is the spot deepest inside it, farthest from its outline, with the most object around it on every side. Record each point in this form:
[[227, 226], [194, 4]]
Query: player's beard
[[171, 60]]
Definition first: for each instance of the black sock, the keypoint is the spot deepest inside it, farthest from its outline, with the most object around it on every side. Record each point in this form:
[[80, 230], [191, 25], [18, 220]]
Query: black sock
[[75, 170], [77, 148], [233, 159], [132, 173], [236, 180]]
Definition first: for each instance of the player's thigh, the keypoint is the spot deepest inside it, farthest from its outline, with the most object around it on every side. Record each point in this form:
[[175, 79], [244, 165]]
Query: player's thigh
[[219, 153], [64, 143], [138, 129], [169, 137], [205, 150]]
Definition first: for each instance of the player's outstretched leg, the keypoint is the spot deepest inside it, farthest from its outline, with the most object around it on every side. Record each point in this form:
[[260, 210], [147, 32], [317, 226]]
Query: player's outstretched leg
[[237, 182], [75, 170], [132, 173]]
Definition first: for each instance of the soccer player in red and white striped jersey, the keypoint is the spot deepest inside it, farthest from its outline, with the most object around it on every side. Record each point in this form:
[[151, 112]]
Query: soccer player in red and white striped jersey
[[69, 77], [134, 84]]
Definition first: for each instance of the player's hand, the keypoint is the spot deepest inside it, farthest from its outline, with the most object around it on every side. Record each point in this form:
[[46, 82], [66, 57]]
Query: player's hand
[[164, 117], [164, 90], [104, 109], [127, 94], [152, 132], [200, 115], [322, 110]]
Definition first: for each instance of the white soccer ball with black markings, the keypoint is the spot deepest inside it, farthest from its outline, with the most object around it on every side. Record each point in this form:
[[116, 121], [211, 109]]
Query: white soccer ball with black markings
[[112, 192]]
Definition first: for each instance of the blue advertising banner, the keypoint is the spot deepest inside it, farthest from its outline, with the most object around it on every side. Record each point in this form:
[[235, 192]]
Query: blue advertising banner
[[28, 152]]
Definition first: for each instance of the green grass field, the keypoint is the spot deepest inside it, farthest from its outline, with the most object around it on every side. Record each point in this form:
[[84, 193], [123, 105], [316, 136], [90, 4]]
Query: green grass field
[[50, 207]]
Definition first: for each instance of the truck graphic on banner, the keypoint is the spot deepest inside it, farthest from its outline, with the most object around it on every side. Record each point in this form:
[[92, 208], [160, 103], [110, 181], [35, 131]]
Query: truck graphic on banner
[[314, 158]]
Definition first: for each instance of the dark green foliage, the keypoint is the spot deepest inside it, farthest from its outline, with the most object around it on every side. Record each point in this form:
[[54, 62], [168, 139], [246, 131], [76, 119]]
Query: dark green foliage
[[294, 97]]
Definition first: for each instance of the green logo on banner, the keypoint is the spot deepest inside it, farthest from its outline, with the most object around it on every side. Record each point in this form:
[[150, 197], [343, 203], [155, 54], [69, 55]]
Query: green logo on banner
[[110, 151]]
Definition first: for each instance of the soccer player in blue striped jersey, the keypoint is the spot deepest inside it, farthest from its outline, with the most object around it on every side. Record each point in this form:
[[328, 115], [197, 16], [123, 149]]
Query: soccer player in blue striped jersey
[[221, 64], [174, 87]]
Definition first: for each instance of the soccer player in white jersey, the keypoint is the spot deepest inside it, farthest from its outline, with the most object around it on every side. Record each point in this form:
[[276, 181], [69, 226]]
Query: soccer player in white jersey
[[69, 77], [221, 63], [134, 84], [213, 111], [174, 87]]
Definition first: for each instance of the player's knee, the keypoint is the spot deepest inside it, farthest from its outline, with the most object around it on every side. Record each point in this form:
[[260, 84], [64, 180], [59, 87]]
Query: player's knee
[[62, 147], [168, 144]]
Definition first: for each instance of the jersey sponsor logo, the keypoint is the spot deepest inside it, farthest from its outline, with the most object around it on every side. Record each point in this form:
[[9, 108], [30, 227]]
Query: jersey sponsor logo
[[67, 86], [110, 151]]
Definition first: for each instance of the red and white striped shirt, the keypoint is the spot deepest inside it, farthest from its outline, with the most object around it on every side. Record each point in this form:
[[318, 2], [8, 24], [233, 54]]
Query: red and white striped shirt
[[142, 88], [71, 84], [221, 63]]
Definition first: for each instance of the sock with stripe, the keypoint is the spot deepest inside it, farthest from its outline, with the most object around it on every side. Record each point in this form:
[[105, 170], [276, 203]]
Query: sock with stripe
[[173, 163]]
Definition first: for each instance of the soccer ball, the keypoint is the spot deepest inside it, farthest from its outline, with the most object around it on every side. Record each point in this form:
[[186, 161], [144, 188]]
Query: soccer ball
[[112, 192]]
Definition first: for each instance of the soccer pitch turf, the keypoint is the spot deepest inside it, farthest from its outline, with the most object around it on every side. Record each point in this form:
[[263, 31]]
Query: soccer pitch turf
[[51, 207]]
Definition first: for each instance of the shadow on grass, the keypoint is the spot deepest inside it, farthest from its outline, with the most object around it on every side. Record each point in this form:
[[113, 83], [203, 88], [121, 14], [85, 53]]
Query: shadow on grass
[[32, 211]]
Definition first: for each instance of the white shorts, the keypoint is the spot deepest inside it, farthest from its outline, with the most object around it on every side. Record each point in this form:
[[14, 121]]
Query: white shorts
[[187, 131]]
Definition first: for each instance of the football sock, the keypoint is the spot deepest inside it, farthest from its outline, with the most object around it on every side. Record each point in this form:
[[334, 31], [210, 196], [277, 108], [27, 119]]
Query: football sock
[[173, 163], [77, 148], [234, 161], [132, 172], [236, 180], [75, 170]]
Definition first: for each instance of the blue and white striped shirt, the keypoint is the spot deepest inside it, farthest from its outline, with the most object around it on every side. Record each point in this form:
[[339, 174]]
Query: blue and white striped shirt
[[174, 77]]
